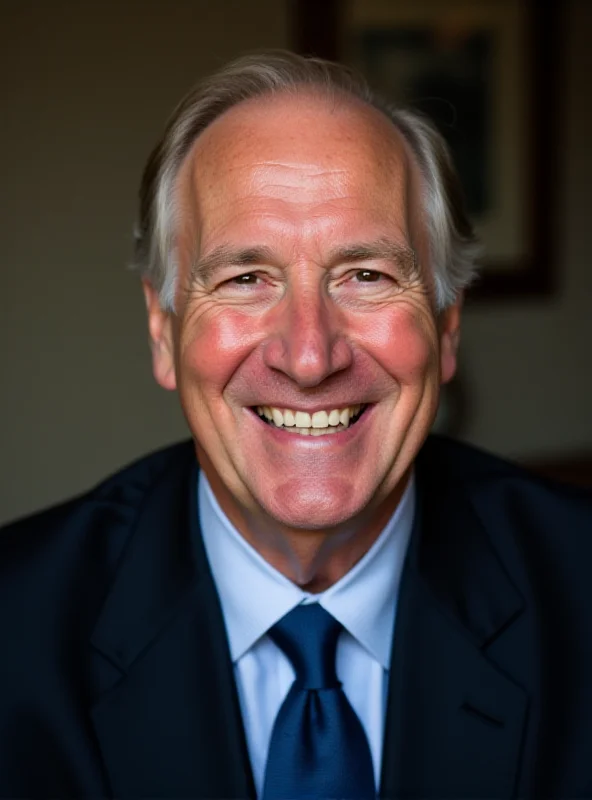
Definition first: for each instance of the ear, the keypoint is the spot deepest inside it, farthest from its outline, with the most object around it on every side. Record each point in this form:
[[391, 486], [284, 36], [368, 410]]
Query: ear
[[160, 326], [449, 339]]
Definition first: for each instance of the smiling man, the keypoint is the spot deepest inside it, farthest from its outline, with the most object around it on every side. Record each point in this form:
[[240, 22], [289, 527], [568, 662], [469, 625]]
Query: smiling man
[[313, 598], [303, 295]]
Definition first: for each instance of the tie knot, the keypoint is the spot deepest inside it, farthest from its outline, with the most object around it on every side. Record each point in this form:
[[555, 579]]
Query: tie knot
[[308, 636]]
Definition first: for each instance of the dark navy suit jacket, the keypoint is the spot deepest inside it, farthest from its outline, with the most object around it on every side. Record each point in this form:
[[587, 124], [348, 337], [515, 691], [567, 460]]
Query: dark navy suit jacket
[[116, 680]]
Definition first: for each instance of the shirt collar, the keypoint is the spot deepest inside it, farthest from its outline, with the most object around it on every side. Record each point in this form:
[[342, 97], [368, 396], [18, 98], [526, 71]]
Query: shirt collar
[[254, 595]]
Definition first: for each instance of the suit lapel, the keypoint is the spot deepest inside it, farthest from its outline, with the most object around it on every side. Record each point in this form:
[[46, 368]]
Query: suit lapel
[[166, 711], [455, 720]]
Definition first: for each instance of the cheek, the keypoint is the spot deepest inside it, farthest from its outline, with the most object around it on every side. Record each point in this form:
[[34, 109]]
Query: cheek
[[403, 341], [215, 346]]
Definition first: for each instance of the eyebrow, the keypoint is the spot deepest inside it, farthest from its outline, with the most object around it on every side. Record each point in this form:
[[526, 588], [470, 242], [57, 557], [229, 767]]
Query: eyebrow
[[382, 249], [204, 268]]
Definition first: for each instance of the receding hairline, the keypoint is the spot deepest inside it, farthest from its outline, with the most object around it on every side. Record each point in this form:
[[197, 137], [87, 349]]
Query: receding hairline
[[336, 99], [396, 147]]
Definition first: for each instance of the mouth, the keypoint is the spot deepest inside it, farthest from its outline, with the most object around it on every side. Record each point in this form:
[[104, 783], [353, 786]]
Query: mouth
[[320, 423]]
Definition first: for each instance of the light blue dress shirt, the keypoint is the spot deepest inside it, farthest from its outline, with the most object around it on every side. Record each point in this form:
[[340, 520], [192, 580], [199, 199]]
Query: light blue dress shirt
[[254, 596]]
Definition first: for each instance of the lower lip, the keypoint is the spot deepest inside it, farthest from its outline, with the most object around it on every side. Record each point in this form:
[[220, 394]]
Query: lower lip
[[285, 435]]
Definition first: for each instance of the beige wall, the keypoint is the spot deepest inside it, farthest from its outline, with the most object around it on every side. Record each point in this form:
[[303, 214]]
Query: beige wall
[[86, 88]]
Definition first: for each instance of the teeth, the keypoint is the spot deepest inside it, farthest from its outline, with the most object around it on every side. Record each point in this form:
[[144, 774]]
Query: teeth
[[333, 418], [317, 424], [302, 419], [320, 419]]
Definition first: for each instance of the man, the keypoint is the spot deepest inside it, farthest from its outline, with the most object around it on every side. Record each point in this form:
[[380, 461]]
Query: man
[[329, 605]]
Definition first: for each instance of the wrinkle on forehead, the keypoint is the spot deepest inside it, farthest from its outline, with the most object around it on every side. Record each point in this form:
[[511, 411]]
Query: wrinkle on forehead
[[312, 169], [308, 182], [264, 173]]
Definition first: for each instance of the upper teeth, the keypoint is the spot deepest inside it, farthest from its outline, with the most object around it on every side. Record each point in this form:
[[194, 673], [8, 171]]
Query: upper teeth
[[302, 419]]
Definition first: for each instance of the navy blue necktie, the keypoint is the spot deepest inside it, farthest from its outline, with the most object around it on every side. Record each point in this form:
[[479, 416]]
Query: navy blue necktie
[[318, 747]]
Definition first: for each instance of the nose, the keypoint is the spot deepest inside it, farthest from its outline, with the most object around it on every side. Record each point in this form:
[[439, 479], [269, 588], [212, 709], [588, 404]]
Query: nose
[[308, 341]]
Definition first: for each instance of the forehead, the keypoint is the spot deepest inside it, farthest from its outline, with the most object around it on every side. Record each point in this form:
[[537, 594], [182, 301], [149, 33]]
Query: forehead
[[337, 139]]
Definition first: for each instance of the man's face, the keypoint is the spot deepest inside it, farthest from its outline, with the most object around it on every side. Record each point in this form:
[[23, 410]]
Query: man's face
[[301, 292]]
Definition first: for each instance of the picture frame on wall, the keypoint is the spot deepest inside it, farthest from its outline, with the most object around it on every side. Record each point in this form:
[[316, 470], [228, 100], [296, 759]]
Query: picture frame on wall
[[486, 72]]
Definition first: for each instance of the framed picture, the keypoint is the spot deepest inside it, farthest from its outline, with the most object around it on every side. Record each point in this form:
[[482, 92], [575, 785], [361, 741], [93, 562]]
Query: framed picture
[[487, 74]]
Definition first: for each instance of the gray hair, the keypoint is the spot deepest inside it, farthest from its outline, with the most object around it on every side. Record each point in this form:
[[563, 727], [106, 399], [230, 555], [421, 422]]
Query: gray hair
[[452, 244]]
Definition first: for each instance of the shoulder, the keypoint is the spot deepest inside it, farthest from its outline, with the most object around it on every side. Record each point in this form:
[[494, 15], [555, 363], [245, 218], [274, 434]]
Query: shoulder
[[539, 514], [476, 466], [94, 525]]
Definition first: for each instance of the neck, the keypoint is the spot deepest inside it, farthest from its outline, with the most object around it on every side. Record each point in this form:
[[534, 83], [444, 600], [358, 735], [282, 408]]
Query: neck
[[312, 559]]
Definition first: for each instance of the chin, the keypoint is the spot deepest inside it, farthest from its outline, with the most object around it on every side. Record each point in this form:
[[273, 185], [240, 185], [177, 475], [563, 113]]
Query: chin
[[314, 507]]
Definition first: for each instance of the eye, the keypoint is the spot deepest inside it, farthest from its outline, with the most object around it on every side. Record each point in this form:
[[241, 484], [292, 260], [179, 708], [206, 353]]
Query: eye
[[247, 279], [368, 276]]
